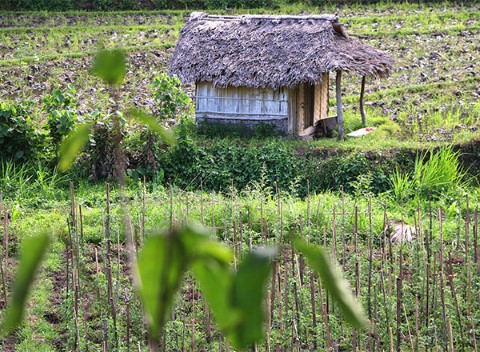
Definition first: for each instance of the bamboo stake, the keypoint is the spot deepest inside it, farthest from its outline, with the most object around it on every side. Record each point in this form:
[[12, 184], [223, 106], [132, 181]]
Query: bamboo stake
[[450, 282], [201, 203], [416, 322], [301, 265], [75, 265], [476, 256], [170, 215], [4, 263], [410, 339], [80, 215], [399, 311], [208, 324], [285, 287], [370, 259], [375, 319], [308, 203], [144, 211], [384, 294], [193, 319], [391, 338], [297, 322], [240, 232], [213, 217], [109, 263], [427, 295], [314, 313], [327, 327], [334, 234], [105, 335], [272, 291], [442, 286], [344, 244], [450, 336], [128, 325], [279, 299]]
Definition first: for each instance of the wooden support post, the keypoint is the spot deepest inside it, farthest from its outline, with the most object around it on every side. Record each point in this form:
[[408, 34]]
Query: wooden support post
[[338, 82], [362, 108]]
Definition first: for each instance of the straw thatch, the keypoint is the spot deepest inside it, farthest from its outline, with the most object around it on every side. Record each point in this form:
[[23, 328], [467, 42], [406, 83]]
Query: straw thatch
[[270, 51]]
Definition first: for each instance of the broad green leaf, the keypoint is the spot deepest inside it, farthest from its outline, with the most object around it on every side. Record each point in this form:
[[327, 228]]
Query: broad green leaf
[[211, 266], [215, 280], [248, 295], [110, 65], [72, 145], [153, 125], [33, 250], [333, 281], [161, 265], [199, 244]]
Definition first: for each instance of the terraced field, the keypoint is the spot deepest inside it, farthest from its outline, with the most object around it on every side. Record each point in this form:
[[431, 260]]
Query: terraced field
[[433, 92]]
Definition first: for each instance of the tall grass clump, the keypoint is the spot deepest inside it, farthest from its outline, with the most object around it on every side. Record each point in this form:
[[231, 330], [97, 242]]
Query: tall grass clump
[[435, 175]]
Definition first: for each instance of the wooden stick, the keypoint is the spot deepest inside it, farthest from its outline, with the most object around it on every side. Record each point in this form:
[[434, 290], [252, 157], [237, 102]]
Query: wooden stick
[[399, 312], [408, 328], [442, 286], [338, 84], [362, 108], [314, 313], [344, 242]]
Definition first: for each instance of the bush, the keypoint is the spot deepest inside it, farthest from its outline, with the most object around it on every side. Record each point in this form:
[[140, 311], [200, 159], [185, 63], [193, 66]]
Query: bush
[[170, 99], [102, 149], [62, 114], [19, 140]]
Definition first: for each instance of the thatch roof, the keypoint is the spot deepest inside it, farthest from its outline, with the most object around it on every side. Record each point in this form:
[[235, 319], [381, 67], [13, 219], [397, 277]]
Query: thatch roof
[[270, 51]]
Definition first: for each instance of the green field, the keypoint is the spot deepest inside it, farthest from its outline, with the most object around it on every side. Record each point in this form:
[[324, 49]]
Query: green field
[[346, 196]]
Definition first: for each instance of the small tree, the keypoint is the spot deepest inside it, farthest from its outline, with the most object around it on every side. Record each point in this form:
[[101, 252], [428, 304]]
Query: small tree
[[171, 101]]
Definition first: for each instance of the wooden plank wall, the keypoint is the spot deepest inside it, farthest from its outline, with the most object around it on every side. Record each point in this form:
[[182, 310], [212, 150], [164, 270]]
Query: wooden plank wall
[[321, 99], [241, 102]]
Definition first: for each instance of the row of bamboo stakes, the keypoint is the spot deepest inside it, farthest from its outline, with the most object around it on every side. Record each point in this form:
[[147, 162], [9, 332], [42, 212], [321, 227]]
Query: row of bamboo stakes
[[300, 315]]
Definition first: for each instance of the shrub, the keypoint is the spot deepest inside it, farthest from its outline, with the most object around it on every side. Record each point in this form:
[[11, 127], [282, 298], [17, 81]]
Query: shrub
[[170, 99], [19, 140], [62, 114], [102, 149]]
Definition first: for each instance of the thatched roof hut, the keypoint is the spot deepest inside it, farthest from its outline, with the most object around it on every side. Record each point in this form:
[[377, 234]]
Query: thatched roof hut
[[287, 57]]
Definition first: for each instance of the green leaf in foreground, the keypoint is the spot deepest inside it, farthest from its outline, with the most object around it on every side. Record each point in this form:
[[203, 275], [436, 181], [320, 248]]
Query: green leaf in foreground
[[161, 266], [236, 299], [215, 280], [73, 144], [333, 281], [153, 125], [110, 65], [33, 250], [249, 288]]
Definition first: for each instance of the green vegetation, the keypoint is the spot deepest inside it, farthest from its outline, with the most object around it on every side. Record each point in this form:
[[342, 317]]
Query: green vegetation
[[415, 176]]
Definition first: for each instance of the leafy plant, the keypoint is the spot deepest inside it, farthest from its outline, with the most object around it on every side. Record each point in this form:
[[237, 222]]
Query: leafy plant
[[33, 250], [19, 140], [438, 173], [62, 114], [435, 174], [401, 186], [170, 99], [235, 298]]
